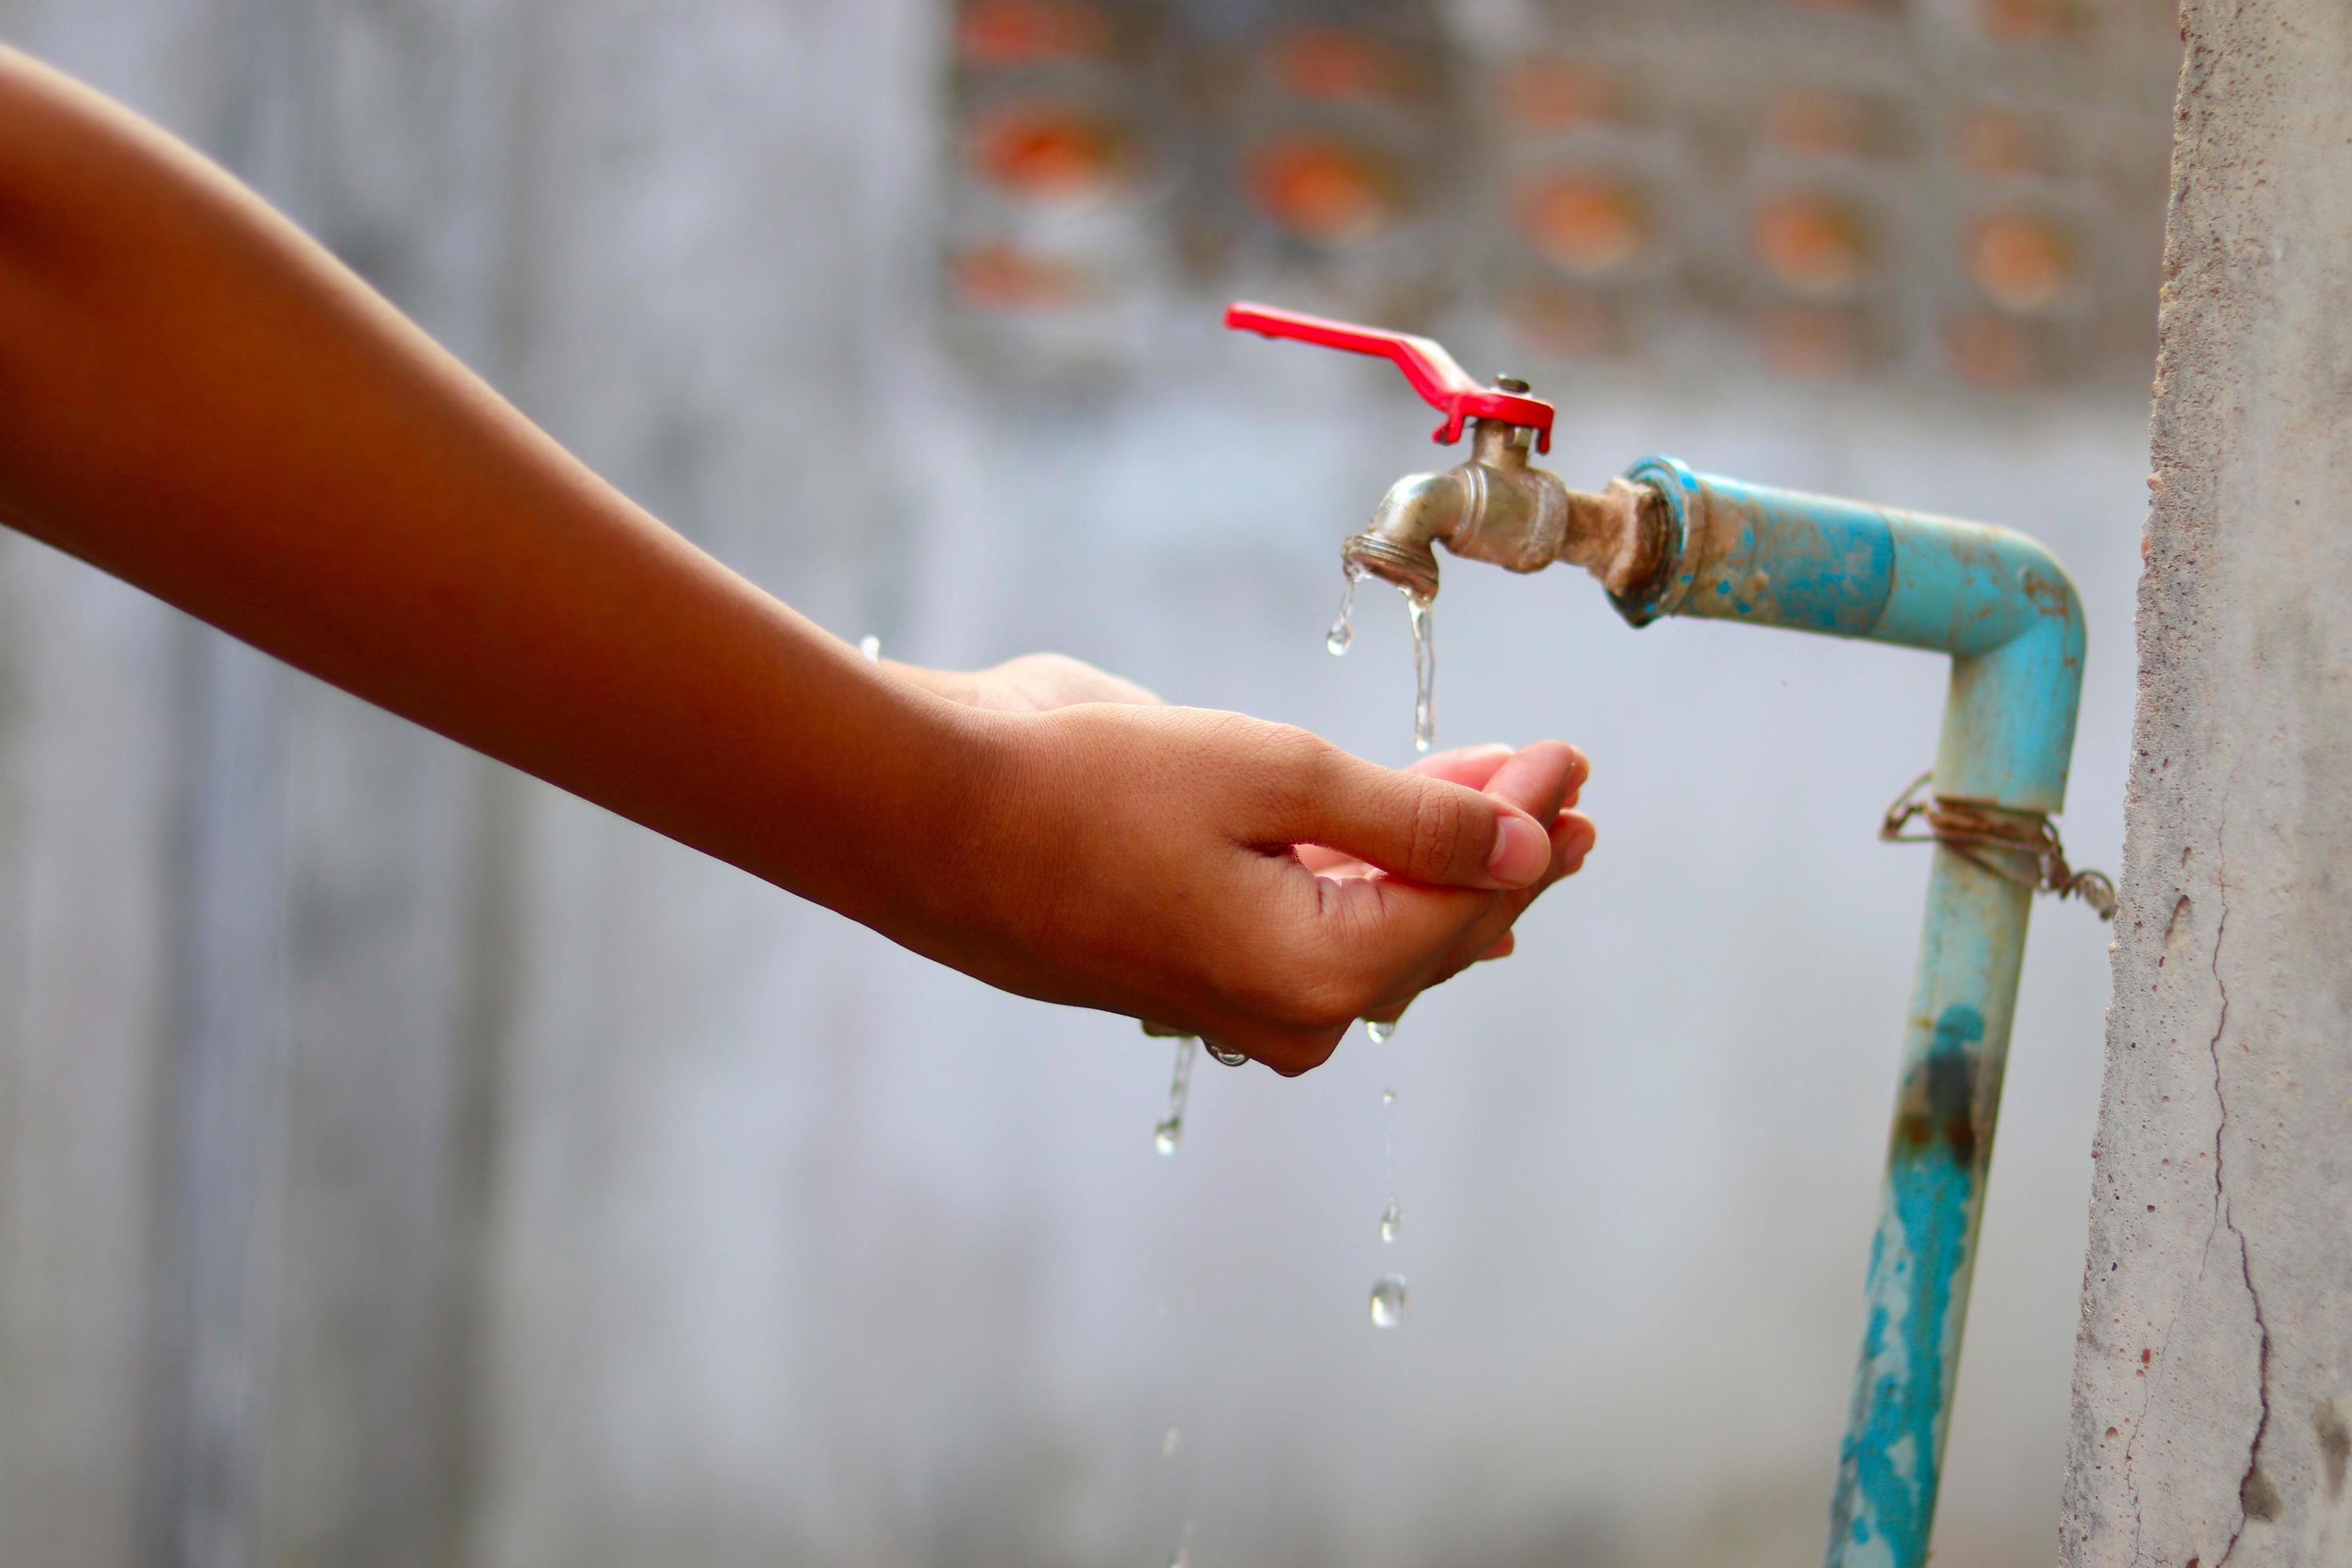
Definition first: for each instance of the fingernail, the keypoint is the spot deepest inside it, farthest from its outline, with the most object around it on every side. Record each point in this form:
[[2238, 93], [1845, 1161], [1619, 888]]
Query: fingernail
[[1521, 852]]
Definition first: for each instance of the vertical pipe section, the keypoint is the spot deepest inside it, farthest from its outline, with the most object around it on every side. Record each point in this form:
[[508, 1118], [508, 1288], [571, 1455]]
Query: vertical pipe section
[[2003, 608], [1915, 1295]]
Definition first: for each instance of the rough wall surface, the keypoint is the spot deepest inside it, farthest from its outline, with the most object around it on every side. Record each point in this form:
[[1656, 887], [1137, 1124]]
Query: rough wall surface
[[2214, 1378]]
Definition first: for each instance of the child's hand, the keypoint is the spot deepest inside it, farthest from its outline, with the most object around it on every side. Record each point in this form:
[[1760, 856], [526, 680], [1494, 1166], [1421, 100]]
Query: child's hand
[[1143, 860]]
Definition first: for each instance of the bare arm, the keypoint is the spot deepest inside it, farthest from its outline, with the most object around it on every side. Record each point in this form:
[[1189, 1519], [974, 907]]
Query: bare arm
[[196, 397]]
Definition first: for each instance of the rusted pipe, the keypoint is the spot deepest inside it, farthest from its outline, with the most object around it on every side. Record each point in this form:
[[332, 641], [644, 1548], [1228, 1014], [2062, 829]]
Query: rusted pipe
[[1667, 541], [2004, 610]]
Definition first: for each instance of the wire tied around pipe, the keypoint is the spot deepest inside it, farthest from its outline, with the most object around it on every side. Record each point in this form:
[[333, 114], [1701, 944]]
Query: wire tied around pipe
[[1964, 827]]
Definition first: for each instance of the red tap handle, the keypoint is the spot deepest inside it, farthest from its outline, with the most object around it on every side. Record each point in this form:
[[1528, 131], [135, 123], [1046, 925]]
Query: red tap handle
[[1442, 383]]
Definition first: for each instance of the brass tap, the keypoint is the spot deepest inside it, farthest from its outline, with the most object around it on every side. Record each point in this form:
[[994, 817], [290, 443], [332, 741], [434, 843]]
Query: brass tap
[[1499, 506]]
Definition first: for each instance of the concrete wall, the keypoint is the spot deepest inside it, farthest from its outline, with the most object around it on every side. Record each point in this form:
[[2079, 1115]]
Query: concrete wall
[[2213, 1383]]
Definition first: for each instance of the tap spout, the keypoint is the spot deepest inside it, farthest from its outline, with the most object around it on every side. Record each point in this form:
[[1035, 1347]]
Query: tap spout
[[1418, 511], [1498, 507]]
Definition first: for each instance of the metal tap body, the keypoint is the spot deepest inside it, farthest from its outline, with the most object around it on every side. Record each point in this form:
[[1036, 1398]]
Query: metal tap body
[[1499, 506]]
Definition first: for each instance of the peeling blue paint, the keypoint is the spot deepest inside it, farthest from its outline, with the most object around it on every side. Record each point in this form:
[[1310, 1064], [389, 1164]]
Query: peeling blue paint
[[1994, 599], [1892, 1446], [2002, 606]]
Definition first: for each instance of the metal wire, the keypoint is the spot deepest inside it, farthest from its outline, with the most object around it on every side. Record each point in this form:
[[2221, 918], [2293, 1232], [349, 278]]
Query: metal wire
[[1964, 827]]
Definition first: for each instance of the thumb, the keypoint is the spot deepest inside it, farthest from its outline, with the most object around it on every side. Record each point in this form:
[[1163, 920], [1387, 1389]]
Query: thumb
[[1429, 830]]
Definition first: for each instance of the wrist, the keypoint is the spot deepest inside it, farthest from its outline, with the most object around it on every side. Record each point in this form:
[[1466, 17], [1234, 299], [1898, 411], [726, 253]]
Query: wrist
[[931, 839]]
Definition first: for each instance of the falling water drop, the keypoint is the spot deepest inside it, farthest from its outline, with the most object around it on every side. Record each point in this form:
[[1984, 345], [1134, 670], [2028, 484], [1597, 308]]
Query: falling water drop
[[1380, 1030], [1390, 1223], [1424, 670], [1168, 1444], [1390, 1300], [1342, 633], [1170, 1133], [1387, 1097]]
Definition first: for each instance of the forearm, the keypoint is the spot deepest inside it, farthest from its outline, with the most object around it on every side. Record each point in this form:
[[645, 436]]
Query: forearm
[[200, 400]]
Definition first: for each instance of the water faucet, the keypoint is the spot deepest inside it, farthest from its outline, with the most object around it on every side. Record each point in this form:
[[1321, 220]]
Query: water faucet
[[1498, 505], [1667, 541]]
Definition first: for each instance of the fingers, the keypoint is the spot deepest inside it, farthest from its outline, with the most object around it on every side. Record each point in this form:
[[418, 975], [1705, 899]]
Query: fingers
[[1400, 940], [1538, 779], [1402, 932], [1431, 830], [1467, 840], [1488, 932], [1469, 767], [1572, 839]]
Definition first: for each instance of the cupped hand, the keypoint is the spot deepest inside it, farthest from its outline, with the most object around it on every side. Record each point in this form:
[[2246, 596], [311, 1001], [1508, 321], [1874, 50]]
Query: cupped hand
[[1245, 881], [1475, 767]]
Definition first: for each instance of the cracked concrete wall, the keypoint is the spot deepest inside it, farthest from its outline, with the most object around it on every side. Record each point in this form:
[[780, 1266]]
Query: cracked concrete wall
[[2213, 1373]]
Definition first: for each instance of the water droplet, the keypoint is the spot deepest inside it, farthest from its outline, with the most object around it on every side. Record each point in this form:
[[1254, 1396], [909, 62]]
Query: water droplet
[[1170, 1133], [1168, 1444], [1342, 634], [1424, 670], [1380, 1030], [870, 646], [1390, 1300], [1180, 1560], [1230, 1058], [1387, 1097], [1390, 1223]]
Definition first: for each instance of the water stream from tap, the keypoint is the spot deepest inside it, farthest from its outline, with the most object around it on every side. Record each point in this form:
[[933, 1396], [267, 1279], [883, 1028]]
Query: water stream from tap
[[1391, 1221], [1390, 1298], [1424, 670], [1170, 1133], [1342, 633], [1420, 609]]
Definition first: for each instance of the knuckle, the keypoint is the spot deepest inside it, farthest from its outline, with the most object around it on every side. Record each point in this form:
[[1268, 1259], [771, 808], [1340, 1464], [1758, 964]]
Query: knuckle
[[1441, 820], [1288, 745], [1300, 755], [1296, 765]]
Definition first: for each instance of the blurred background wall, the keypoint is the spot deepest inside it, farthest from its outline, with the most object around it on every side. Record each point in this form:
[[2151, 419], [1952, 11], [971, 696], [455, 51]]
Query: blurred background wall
[[402, 1163]]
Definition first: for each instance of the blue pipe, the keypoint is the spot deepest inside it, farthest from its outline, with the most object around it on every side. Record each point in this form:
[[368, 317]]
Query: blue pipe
[[2004, 610]]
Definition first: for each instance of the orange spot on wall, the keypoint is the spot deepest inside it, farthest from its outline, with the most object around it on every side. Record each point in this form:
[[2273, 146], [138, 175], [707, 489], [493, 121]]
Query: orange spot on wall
[[1812, 245], [1046, 152], [1587, 224], [1324, 191], [2021, 262], [997, 33]]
